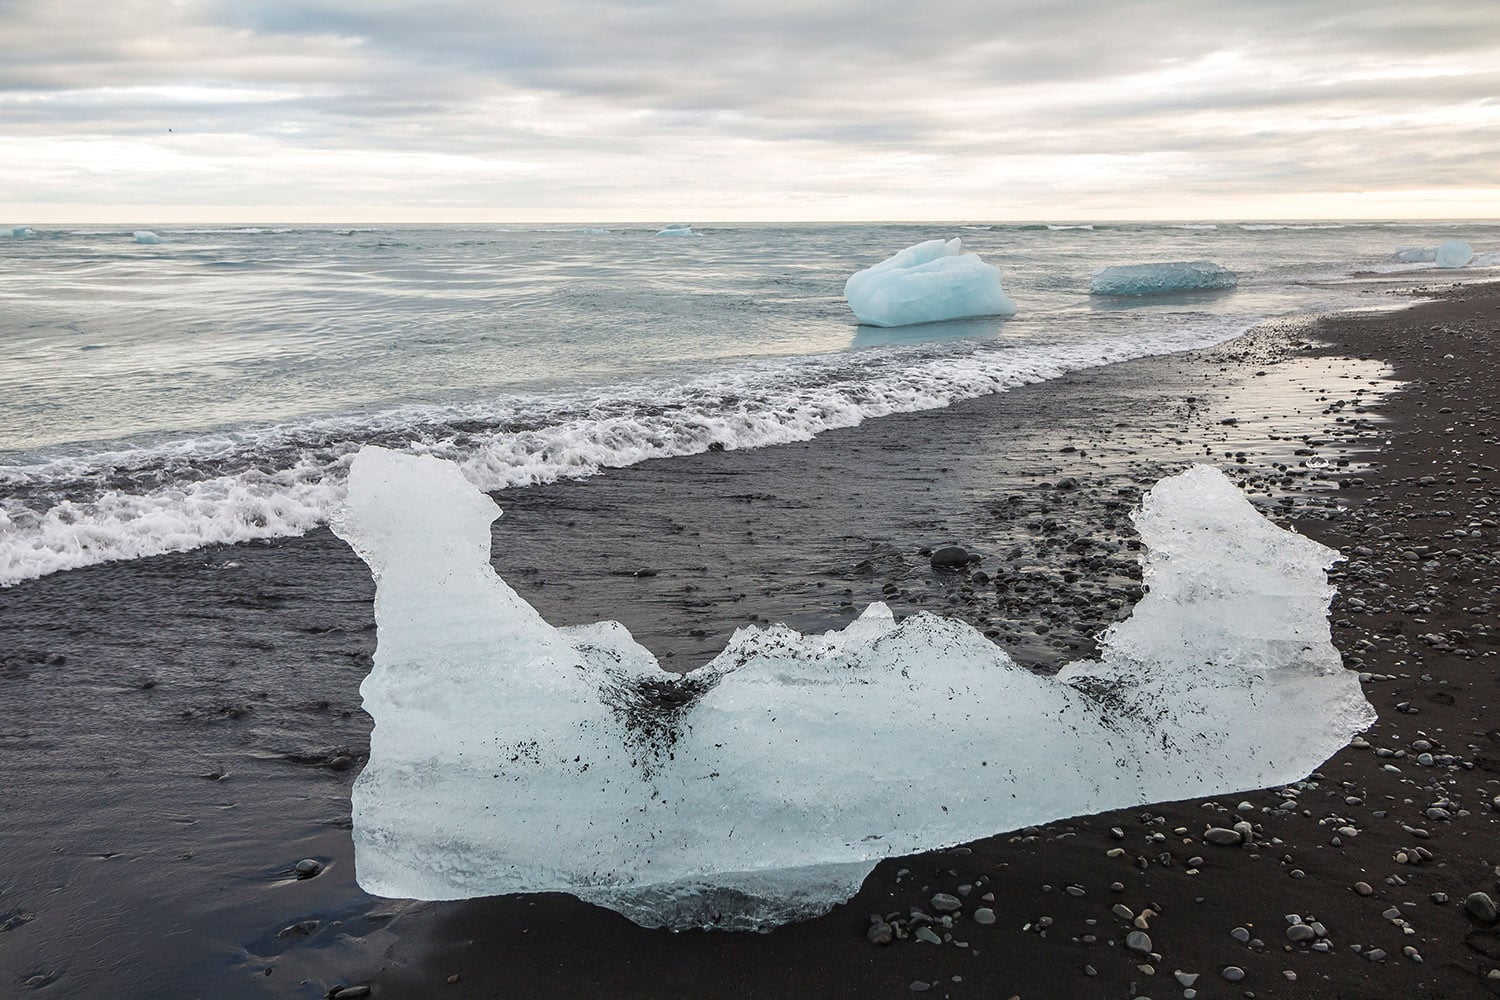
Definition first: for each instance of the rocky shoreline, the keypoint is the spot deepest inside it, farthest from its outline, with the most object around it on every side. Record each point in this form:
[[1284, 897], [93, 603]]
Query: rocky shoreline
[[221, 687], [1374, 877]]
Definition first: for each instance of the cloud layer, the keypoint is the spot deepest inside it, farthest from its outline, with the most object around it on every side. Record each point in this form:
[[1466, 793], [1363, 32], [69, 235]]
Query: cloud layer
[[645, 110]]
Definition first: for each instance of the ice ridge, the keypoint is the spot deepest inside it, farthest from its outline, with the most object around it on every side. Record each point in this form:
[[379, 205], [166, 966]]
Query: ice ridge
[[927, 283], [511, 756]]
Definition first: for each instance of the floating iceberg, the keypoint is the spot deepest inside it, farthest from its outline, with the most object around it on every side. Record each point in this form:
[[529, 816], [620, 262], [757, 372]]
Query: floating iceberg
[[1485, 260], [1162, 279], [22, 232], [1448, 254], [1453, 253], [512, 756], [926, 283], [677, 229], [147, 236], [1415, 255]]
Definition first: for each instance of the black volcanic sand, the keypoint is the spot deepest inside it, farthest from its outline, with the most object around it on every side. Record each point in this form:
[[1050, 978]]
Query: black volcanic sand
[[178, 732]]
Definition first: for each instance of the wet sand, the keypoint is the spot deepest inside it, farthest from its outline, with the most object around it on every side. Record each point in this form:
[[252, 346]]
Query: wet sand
[[180, 731]]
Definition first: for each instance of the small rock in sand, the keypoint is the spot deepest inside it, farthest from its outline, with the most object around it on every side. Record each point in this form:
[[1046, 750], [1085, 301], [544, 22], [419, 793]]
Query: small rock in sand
[[1481, 907]]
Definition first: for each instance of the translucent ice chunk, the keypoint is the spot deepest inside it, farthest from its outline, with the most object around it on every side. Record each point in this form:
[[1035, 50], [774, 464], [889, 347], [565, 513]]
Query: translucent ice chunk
[[22, 232], [677, 229], [926, 283], [512, 756], [1162, 279], [146, 236], [1453, 253], [1415, 255]]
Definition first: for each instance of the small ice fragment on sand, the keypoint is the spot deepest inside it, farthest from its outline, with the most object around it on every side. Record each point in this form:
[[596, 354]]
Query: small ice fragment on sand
[[677, 229], [146, 236], [1453, 253], [1162, 279], [511, 756], [927, 283]]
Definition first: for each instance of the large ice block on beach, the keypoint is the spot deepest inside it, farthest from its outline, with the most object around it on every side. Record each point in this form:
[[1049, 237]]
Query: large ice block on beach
[[927, 283], [1453, 253], [1162, 279], [146, 236], [511, 756]]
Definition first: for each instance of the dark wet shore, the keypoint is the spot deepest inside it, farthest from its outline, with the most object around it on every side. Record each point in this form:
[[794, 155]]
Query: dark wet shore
[[180, 731]]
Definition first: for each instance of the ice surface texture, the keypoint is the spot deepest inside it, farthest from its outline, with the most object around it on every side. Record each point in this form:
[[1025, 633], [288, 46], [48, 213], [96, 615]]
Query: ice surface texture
[[1453, 253], [926, 283], [1162, 279], [677, 229], [147, 236], [511, 756]]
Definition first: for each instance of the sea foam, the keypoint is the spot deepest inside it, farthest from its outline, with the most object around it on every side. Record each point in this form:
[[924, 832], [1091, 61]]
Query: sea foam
[[68, 512]]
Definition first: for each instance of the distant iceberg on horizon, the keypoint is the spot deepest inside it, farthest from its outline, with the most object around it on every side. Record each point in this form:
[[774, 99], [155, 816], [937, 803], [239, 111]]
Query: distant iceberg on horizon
[[927, 283], [677, 229]]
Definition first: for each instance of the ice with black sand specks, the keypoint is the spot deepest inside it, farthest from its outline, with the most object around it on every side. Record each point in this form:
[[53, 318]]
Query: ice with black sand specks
[[512, 756]]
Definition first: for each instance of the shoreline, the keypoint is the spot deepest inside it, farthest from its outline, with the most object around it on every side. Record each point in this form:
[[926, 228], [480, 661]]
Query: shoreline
[[222, 685], [1058, 933]]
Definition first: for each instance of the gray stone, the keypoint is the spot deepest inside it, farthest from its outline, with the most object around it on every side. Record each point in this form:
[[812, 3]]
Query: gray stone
[[945, 903], [1138, 941], [1240, 934], [1364, 889], [308, 867], [1300, 932], [984, 915], [952, 557], [1481, 907], [1222, 837], [881, 933], [1233, 973], [927, 934]]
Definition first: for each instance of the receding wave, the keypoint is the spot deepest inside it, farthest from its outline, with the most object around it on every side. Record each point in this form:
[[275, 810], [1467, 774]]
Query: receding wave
[[69, 512], [1260, 227]]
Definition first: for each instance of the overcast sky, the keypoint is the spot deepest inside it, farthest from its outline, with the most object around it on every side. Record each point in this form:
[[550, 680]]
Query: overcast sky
[[699, 110]]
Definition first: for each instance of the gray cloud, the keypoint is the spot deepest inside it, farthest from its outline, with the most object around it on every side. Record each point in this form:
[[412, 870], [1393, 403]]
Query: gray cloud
[[1275, 94]]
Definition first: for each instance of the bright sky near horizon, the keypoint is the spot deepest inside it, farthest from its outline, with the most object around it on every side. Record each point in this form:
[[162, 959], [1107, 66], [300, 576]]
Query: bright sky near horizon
[[721, 110]]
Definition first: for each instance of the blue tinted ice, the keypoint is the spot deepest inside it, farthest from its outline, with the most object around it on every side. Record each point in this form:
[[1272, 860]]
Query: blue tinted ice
[[1453, 253], [1162, 279], [927, 283], [511, 756]]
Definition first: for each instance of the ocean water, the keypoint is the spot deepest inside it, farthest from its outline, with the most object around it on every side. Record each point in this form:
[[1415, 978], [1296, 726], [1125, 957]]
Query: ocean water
[[213, 387]]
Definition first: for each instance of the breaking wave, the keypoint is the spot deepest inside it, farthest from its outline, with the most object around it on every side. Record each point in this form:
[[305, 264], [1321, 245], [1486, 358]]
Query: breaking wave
[[172, 496]]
